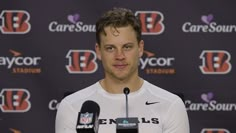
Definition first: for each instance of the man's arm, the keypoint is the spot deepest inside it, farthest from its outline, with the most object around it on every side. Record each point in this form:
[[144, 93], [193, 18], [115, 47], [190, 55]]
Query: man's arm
[[176, 119], [66, 118]]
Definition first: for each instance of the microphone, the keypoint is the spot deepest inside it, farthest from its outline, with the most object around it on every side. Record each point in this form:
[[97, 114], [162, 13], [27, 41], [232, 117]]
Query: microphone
[[87, 121], [126, 92], [127, 124]]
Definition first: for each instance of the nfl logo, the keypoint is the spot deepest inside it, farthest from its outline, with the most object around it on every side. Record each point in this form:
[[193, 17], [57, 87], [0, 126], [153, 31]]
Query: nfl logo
[[86, 118]]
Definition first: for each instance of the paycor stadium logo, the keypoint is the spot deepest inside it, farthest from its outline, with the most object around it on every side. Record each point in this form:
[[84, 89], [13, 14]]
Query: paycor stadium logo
[[11, 130], [150, 63], [14, 22], [14, 100], [19, 64]]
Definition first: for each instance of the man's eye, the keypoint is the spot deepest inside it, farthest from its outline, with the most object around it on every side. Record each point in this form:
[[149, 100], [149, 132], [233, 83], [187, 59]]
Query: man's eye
[[127, 47], [109, 49]]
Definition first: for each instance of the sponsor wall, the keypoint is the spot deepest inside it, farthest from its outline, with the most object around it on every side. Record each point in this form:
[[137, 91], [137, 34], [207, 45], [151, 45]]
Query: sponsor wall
[[47, 52]]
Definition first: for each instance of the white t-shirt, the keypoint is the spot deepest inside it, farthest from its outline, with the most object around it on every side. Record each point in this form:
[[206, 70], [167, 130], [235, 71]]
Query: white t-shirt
[[165, 114]]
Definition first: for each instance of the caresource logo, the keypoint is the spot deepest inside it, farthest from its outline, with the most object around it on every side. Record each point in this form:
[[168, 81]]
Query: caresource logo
[[215, 62], [214, 130], [53, 104], [75, 24], [81, 61], [208, 26], [14, 22], [21, 64], [14, 100], [151, 64], [209, 104], [152, 22]]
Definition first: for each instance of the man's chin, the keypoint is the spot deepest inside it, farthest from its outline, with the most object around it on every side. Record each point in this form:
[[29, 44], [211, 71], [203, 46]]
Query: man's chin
[[121, 77]]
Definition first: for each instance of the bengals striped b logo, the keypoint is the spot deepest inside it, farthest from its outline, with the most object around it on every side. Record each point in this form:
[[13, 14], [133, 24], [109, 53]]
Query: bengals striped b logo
[[15, 22], [214, 130], [151, 21], [81, 61], [215, 62], [14, 100]]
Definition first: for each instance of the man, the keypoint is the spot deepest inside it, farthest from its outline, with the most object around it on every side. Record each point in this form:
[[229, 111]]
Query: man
[[119, 47]]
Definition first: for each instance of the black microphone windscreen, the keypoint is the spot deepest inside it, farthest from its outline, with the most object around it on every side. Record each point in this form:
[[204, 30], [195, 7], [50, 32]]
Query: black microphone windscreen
[[126, 90], [88, 121], [91, 107]]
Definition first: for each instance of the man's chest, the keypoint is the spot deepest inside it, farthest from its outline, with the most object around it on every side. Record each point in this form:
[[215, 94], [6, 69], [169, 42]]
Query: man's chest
[[149, 116]]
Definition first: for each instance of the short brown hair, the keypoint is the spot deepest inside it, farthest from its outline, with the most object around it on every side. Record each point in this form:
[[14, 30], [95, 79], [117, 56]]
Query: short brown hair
[[118, 17]]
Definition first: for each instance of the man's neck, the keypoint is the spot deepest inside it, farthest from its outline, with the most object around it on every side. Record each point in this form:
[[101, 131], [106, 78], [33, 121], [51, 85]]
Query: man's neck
[[117, 86]]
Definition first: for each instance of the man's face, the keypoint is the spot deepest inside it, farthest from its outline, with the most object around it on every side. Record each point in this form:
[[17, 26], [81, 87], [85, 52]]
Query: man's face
[[119, 52]]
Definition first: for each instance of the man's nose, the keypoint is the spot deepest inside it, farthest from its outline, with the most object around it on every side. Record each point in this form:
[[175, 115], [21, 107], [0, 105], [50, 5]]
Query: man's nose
[[120, 55]]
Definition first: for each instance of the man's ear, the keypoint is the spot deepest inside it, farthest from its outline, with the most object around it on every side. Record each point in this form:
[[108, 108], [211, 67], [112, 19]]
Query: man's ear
[[98, 52]]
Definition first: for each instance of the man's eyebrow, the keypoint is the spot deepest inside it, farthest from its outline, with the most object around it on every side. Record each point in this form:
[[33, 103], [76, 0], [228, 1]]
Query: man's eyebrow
[[128, 43], [108, 45]]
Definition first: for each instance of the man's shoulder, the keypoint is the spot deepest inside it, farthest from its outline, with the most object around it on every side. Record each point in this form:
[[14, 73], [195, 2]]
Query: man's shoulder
[[82, 94], [160, 93]]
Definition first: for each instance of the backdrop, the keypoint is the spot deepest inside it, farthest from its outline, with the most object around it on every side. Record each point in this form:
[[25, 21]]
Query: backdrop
[[47, 52]]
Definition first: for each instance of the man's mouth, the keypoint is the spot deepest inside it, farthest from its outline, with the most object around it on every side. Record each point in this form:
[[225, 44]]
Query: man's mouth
[[120, 66]]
